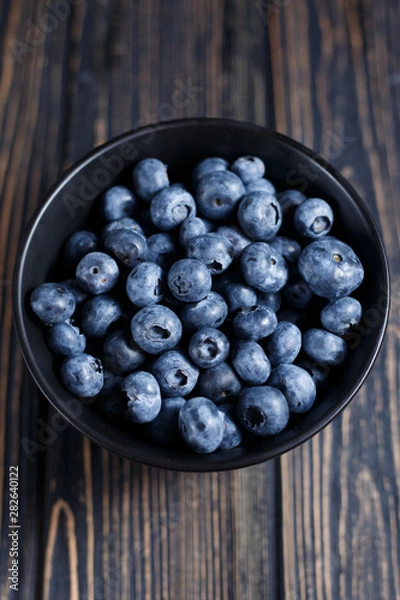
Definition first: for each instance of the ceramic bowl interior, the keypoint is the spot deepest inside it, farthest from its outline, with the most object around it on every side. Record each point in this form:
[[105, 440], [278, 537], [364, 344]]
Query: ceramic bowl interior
[[181, 144]]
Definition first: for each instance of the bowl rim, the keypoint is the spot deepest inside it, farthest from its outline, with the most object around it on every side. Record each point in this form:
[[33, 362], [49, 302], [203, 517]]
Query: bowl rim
[[189, 462]]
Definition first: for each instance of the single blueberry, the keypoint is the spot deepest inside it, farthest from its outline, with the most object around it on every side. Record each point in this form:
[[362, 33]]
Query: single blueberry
[[82, 375], [290, 249], [146, 284], [98, 313], [284, 344], [219, 383], [208, 347], [212, 249], [263, 410], [341, 315], [175, 373], [250, 362], [260, 216], [149, 177], [261, 185], [324, 347], [254, 322], [235, 236], [206, 167], [125, 223], [52, 303], [77, 245], [164, 430], [263, 267], [211, 311], [156, 329], [170, 207], [271, 299], [143, 396], [128, 246], [248, 168], [189, 280], [238, 295], [201, 425], [313, 218], [217, 195], [163, 249], [297, 292], [233, 435], [289, 201], [191, 228], [66, 339], [120, 353], [296, 385], [97, 273], [331, 268], [116, 203]]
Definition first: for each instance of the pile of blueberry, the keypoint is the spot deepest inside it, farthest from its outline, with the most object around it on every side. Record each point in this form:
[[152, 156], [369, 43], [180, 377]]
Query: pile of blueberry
[[186, 312]]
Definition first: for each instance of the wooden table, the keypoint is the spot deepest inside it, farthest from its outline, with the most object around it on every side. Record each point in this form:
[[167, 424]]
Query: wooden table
[[323, 521]]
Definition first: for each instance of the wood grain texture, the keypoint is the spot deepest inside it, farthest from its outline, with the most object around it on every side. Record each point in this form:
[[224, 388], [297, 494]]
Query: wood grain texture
[[321, 523]]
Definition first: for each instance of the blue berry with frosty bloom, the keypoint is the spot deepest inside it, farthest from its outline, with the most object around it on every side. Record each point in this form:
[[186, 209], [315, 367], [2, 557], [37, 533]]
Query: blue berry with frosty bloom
[[201, 425], [156, 329], [120, 353], [284, 344], [339, 316], [77, 245], [296, 385], [52, 303], [248, 168], [211, 311], [170, 207], [263, 410], [289, 201], [290, 249], [250, 362], [124, 223], [116, 203], [238, 295], [189, 280], [175, 373], [254, 322], [127, 246], [233, 434], [324, 347], [219, 383], [98, 314], [212, 249], [313, 218], [260, 216], [82, 375], [65, 338], [206, 167], [97, 273], [208, 347], [145, 284], [263, 267], [218, 194], [191, 228], [143, 396], [235, 236], [163, 249], [261, 185], [149, 177]]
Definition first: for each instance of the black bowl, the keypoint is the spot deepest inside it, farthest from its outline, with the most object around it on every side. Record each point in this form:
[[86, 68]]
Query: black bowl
[[181, 144]]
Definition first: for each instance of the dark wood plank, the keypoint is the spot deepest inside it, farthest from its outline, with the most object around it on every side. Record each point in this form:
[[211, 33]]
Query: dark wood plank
[[340, 96]]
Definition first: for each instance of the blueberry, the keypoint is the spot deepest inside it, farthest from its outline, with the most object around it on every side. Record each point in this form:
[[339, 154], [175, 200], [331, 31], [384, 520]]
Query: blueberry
[[313, 218], [260, 216], [164, 430], [73, 286], [324, 347], [145, 284], [98, 313], [77, 245], [290, 249], [214, 250], [189, 280], [208, 347], [52, 303], [263, 410], [211, 311], [175, 373], [297, 386], [143, 396], [82, 375], [284, 344], [235, 236], [261, 185], [341, 315], [120, 353], [250, 362], [248, 168], [289, 201], [191, 228], [263, 267], [233, 435], [254, 322], [331, 268], [116, 203], [66, 339], [149, 177], [239, 295], [170, 207], [217, 195], [125, 223], [271, 299], [128, 246], [219, 383], [206, 167], [201, 425], [156, 329], [97, 273], [163, 249], [297, 292]]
